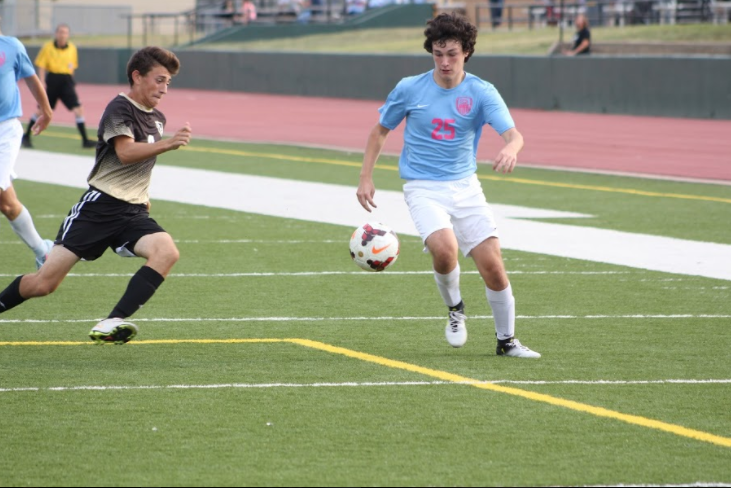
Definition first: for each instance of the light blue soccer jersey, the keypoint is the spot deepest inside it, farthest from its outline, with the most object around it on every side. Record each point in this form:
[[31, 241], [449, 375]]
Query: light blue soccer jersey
[[443, 126], [14, 65]]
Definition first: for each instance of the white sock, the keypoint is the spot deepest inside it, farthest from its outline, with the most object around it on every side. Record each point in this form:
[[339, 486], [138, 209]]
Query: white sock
[[503, 311], [23, 226], [448, 285]]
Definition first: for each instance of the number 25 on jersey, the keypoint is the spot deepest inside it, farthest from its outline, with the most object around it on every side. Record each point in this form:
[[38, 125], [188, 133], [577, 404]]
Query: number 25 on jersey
[[444, 129]]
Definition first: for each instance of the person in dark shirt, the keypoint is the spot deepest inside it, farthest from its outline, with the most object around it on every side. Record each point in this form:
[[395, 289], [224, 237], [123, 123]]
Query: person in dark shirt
[[582, 38]]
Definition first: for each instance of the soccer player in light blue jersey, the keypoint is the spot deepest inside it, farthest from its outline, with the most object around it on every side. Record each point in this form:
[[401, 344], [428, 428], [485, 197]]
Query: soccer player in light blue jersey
[[14, 65], [445, 110]]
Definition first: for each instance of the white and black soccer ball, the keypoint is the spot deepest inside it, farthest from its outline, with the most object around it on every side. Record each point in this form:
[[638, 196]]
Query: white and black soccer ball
[[374, 246]]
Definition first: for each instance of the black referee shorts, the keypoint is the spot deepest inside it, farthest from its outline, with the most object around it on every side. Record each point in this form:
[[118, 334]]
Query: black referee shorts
[[61, 87], [100, 221]]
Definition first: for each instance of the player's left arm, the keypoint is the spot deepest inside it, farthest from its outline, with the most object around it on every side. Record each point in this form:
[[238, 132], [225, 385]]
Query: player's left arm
[[44, 108], [507, 158], [74, 62]]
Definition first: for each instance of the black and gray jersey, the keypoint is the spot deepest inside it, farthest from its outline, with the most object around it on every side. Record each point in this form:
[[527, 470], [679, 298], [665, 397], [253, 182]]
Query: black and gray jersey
[[127, 182]]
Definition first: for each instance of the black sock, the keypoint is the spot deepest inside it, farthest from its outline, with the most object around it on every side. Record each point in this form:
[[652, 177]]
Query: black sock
[[140, 289], [30, 125], [10, 296], [82, 130], [503, 342], [457, 308]]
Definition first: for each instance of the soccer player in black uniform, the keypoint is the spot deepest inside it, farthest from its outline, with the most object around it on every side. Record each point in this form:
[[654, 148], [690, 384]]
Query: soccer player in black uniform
[[114, 212]]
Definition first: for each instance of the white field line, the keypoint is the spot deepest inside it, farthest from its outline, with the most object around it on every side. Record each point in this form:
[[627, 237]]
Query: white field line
[[344, 242], [361, 384], [519, 229], [697, 484], [358, 319], [322, 273]]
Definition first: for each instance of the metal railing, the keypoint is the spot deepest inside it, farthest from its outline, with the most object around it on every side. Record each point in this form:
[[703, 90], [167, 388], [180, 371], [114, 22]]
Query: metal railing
[[40, 18], [598, 12]]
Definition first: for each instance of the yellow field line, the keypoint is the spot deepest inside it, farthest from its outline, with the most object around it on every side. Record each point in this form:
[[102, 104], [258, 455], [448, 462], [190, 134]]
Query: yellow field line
[[158, 341], [338, 162], [442, 375], [538, 397]]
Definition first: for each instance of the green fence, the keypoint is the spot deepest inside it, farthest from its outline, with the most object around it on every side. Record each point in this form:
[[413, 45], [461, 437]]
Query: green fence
[[697, 87]]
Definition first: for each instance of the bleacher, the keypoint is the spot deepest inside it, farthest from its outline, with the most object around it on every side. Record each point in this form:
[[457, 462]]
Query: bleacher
[[511, 13]]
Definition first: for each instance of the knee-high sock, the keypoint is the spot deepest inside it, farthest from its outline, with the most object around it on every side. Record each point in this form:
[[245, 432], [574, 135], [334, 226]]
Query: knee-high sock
[[448, 285], [10, 296], [23, 226], [81, 125], [503, 311], [30, 125], [141, 287]]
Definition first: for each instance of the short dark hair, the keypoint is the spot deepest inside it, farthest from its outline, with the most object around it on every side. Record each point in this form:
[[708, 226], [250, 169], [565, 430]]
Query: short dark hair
[[148, 57], [452, 26]]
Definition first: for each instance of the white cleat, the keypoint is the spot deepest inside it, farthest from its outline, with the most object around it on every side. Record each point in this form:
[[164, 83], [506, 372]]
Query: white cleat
[[456, 331], [115, 330], [513, 348]]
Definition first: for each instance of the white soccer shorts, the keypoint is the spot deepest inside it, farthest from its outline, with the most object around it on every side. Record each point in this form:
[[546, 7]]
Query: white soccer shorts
[[459, 205], [11, 134]]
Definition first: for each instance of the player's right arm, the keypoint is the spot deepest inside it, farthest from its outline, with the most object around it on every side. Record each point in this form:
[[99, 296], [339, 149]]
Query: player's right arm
[[131, 152], [374, 146]]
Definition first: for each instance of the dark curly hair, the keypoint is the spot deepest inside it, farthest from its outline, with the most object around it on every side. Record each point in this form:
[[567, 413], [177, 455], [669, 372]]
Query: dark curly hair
[[147, 58], [445, 27]]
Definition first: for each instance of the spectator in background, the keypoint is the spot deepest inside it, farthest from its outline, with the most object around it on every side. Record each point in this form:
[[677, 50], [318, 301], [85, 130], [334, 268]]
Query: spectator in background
[[355, 7], [304, 13], [496, 13], [248, 11], [582, 38], [56, 62], [232, 12]]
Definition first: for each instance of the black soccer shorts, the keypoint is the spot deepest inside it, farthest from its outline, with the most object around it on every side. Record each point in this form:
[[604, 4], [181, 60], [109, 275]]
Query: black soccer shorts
[[100, 221], [61, 87]]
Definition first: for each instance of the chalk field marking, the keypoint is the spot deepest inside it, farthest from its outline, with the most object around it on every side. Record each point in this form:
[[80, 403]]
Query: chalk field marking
[[352, 384], [451, 378], [364, 318], [363, 384], [282, 198], [324, 273]]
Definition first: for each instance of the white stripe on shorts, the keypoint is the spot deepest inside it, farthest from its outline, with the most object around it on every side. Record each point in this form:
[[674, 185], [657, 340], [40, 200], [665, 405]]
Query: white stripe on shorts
[[91, 196]]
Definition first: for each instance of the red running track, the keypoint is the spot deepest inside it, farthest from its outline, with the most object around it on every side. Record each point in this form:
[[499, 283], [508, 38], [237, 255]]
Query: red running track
[[681, 148]]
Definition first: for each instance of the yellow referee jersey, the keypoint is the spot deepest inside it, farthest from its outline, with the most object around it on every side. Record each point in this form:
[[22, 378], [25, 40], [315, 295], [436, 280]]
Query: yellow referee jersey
[[61, 61]]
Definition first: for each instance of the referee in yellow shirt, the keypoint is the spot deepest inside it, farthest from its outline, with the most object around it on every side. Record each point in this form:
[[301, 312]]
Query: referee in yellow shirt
[[56, 63]]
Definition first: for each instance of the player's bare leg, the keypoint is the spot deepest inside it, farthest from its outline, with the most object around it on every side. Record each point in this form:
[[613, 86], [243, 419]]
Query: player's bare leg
[[22, 224], [161, 254], [489, 262], [444, 249], [81, 126], [41, 283]]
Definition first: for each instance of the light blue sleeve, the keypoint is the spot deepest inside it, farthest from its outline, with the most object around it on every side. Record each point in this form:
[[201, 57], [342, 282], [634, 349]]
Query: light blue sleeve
[[24, 66], [495, 112], [394, 110]]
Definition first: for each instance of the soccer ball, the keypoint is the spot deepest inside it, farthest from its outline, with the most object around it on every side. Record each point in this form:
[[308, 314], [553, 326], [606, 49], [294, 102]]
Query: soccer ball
[[374, 246]]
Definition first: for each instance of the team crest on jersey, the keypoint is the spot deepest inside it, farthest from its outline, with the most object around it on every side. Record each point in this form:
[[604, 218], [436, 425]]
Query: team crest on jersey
[[158, 124], [2, 58], [464, 105]]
